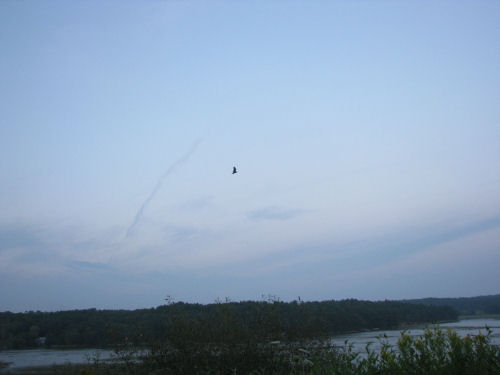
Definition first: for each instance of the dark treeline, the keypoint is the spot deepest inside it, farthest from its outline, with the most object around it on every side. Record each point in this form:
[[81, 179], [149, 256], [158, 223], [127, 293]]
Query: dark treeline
[[465, 305], [268, 320]]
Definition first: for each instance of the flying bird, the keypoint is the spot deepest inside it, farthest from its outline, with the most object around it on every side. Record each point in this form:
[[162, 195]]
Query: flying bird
[[234, 170]]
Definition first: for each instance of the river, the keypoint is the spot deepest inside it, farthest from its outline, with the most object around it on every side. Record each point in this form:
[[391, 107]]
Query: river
[[462, 327], [46, 357]]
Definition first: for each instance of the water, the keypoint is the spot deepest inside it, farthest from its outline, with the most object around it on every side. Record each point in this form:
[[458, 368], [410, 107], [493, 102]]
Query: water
[[462, 327], [47, 357]]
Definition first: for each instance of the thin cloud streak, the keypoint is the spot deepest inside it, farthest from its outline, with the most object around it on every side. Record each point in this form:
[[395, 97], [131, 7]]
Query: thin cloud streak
[[95, 266], [274, 213], [159, 184]]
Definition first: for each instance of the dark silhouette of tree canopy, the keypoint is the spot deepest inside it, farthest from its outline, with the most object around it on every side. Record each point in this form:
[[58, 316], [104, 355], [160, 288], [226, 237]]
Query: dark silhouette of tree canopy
[[465, 305], [268, 320]]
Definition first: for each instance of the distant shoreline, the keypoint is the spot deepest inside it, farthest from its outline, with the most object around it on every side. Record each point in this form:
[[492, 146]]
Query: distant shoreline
[[479, 316]]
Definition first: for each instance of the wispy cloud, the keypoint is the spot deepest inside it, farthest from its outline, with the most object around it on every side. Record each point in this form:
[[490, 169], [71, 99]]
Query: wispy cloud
[[196, 204], [19, 235], [49, 248], [176, 233], [89, 265], [274, 213], [338, 256], [413, 240]]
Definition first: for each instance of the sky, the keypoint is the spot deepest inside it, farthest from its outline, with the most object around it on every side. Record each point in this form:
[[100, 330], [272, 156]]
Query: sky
[[366, 136]]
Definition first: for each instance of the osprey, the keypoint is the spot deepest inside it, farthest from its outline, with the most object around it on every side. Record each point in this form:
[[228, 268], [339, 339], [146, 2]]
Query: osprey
[[234, 170]]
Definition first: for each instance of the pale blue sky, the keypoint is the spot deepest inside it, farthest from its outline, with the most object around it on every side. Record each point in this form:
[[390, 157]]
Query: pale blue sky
[[366, 133]]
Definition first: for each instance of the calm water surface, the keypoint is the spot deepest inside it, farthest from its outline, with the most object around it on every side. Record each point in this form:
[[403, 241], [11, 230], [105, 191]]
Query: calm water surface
[[47, 357]]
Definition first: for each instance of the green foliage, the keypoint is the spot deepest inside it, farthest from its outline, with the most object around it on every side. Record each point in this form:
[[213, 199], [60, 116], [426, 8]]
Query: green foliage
[[443, 352]]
